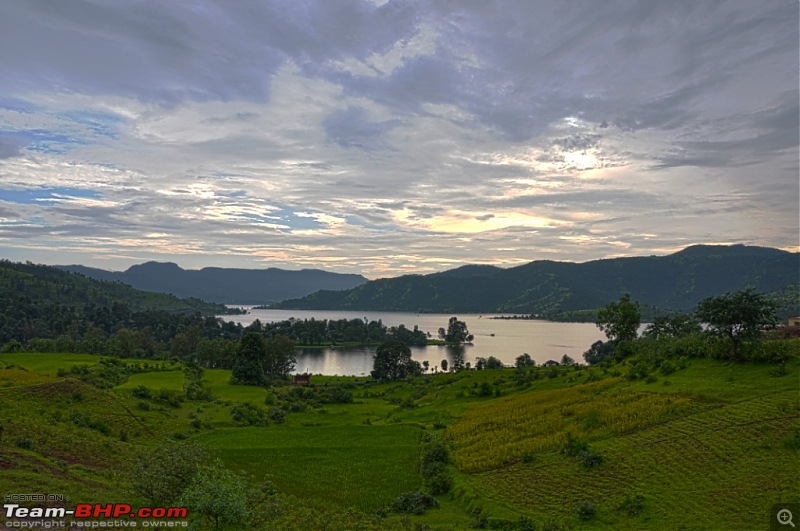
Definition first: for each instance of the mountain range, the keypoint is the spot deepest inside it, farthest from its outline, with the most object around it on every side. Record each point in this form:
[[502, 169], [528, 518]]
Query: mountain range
[[565, 290], [224, 285]]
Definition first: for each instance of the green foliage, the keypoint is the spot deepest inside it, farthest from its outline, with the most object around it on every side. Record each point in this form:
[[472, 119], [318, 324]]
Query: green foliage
[[620, 319], [218, 497], [632, 504], [672, 326], [413, 503], [524, 361], [585, 510], [456, 333], [11, 346], [392, 361], [556, 290], [599, 352], [738, 316], [160, 475], [248, 414], [248, 368]]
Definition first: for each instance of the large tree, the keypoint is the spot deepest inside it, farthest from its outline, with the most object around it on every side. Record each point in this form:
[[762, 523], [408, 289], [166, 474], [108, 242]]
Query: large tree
[[620, 319], [248, 367], [456, 333], [279, 358], [392, 361], [738, 316]]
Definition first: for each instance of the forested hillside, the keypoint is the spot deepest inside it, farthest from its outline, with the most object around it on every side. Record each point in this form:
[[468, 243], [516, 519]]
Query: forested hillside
[[563, 290]]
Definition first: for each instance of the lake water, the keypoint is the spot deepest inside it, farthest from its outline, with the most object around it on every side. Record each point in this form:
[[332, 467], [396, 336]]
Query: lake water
[[504, 339]]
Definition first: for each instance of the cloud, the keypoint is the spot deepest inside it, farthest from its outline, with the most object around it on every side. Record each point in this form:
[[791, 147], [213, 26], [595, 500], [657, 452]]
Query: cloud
[[387, 137]]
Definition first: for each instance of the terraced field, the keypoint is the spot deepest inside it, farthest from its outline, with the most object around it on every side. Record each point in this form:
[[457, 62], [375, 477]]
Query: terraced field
[[711, 463], [711, 446]]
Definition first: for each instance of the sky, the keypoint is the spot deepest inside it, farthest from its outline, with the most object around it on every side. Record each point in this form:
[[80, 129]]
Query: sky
[[392, 137]]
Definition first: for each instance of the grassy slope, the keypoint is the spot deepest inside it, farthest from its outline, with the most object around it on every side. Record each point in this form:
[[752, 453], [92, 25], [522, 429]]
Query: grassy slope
[[719, 461], [706, 451]]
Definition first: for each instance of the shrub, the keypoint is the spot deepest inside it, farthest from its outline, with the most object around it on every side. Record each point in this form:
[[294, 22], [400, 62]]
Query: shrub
[[413, 503], [160, 475], [639, 371], [25, 443], [249, 415], [667, 367], [585, 510], [437, 478], [591, 459], [435, 451], [632, 505], [277, 415], [574, 446], [140, 391], [526, 524]]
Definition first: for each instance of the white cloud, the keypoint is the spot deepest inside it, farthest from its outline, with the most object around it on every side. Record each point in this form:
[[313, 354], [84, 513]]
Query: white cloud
[[389, 137]]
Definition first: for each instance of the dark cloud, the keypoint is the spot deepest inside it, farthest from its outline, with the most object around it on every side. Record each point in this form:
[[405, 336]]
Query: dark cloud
[[351, 128], [591, 129]]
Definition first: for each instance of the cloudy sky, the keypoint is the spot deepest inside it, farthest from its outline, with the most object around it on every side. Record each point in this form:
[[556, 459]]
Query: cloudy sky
[[385, 137]]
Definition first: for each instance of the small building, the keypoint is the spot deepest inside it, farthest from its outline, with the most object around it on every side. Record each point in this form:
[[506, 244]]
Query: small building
[[794, 321], [301, 379]]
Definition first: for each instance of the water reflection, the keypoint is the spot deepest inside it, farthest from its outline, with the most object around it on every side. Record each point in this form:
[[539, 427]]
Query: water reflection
[[503, 339]]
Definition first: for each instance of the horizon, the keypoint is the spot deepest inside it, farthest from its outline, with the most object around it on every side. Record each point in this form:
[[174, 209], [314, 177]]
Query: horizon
[[430, 273], [385, 138]]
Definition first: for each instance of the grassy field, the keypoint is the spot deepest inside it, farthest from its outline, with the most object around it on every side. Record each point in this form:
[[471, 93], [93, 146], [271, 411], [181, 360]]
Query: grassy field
[[711, 446], [365, 467]]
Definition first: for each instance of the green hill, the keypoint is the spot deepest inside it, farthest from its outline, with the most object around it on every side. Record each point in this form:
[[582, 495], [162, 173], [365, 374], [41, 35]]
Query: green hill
[[51, 286], [562, 290]]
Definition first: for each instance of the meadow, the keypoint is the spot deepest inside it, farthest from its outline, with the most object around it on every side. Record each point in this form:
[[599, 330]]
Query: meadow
[[710, 446]]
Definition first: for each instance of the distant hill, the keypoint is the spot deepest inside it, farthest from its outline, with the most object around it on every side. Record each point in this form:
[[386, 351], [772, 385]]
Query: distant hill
[[45, 285], [573, 291], [223, 285]]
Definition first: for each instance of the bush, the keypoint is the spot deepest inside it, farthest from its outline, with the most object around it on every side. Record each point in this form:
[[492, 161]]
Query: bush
[[437, 478], [140, 391], [249, 415], [632, 505], [526, 524], [585, 510], [591, 459], [277, 415], [435, 451], [160, 475], [574, 446], [25, 443], [639, 371], [413, 503]]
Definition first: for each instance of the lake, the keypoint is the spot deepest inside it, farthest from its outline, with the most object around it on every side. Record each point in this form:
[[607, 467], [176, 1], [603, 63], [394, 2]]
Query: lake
[[504, 339]]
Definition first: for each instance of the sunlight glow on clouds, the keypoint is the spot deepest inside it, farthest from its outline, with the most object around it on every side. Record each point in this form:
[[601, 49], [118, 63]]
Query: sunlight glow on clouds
[[393, 137]]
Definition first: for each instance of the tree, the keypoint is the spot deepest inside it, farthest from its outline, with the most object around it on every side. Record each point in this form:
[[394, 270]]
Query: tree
[[494, 363], [161, 474], [599, 352], [457, 333], [279, 358], [738, 316], [524, 361], [392, 361], [620, 319], [218, 496], [248, 368], [676, 326]]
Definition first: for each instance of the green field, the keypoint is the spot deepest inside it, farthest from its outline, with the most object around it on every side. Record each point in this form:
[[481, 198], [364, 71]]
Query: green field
[[711, 446], [361, 466]]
